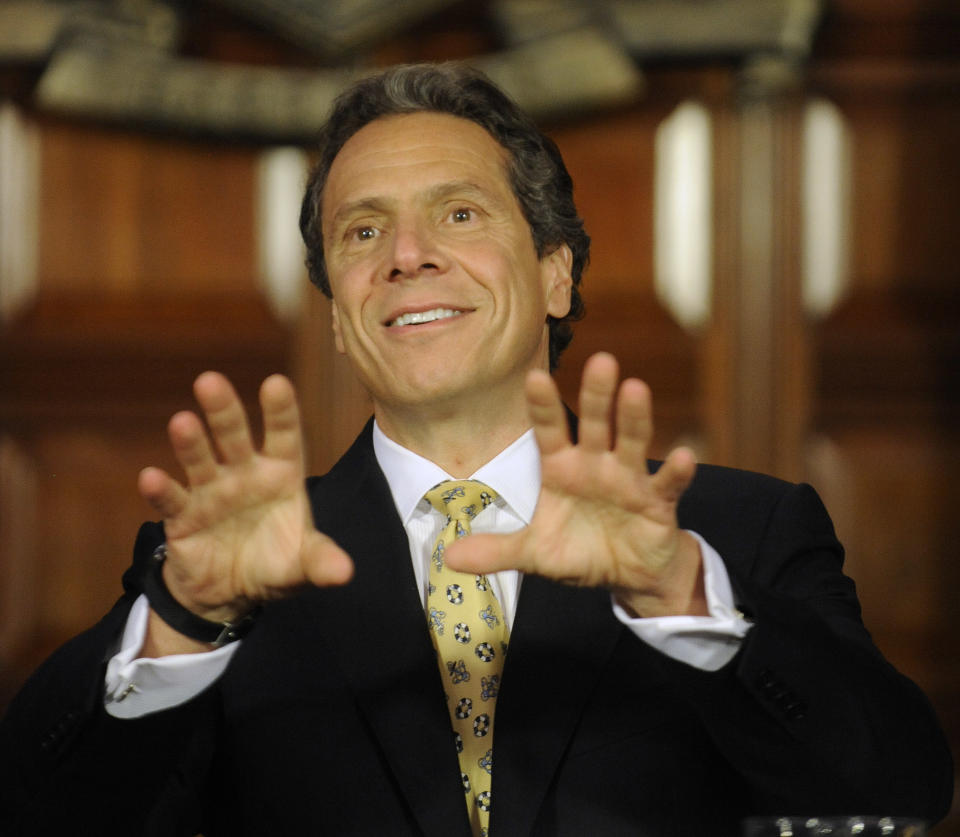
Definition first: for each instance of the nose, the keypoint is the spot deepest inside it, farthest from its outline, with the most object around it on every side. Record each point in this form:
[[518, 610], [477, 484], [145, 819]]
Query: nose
[[414, 250]]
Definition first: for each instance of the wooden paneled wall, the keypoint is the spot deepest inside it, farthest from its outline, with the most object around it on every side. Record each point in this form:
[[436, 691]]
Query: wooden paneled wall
[[884, 441], [146, 277]]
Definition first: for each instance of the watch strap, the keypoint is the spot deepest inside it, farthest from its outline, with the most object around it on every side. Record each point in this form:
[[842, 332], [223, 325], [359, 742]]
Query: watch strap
[[185, 621]]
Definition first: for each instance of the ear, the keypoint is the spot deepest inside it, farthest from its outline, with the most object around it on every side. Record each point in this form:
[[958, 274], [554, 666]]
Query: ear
[[555, 270], [335, 322]]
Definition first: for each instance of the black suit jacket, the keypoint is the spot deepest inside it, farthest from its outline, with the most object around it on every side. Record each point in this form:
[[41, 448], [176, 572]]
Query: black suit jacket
[[331, 720]]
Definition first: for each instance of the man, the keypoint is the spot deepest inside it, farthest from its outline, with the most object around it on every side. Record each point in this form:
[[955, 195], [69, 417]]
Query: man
[[676, 649]]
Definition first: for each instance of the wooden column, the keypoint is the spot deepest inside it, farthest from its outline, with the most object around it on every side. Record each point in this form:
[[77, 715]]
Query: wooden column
[[755, 368]]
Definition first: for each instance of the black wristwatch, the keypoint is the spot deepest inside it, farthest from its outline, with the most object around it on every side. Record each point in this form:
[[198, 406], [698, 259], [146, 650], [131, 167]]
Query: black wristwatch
[[184, 621]]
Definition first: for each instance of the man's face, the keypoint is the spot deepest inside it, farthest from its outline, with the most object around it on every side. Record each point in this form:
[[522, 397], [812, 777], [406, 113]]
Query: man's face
[[438, 294]]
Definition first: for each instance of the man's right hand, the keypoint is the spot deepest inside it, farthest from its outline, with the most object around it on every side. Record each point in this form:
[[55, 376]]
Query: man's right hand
[[240, 531]]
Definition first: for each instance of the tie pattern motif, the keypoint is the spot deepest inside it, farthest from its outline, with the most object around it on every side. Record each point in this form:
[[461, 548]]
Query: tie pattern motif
[[468, 631]]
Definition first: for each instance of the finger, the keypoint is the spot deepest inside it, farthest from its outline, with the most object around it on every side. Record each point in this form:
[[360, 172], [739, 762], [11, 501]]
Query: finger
[[192, 448], [675, 474], [283, 437], [225, 416], [165, 495], [547, 414], [485, 553], [634, 424], [596, 398], [324, 563]]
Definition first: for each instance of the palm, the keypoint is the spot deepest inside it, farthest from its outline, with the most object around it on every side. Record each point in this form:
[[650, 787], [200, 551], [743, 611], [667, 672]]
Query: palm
[[241, 529], [249, 520], [601, 519], [593, 517]]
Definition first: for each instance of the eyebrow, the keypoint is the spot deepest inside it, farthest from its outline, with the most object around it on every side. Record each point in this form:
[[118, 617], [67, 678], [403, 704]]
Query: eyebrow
[[439, 192], [356, 207], [459, 187]]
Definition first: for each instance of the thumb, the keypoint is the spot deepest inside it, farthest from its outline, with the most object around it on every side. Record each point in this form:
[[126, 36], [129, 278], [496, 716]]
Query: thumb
[[485, 553], [324, 563]]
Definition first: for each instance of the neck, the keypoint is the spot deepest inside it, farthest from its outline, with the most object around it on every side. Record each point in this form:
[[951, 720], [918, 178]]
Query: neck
[[459, 440]]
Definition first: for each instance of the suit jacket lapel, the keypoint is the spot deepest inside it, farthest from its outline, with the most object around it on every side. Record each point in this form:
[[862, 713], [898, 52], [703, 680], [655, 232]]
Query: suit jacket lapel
[[561, 641], [378, 630]]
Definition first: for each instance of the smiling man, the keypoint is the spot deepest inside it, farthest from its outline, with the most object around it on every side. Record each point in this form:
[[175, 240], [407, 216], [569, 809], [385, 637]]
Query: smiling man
[[439, 296], [647, 648]]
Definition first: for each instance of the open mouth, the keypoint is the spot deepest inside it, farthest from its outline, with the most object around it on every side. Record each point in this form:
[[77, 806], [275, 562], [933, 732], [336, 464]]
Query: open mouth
[[420, 317]]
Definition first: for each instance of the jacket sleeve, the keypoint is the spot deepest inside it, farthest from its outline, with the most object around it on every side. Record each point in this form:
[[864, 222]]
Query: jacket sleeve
[[809, 712], [66, 766]]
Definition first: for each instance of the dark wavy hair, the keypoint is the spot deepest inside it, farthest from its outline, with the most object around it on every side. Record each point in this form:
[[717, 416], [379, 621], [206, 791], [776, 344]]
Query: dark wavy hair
[[538, 176]]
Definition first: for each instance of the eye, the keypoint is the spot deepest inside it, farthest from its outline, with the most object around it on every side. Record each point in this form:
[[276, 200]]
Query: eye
[[461, 215], [365, 233]]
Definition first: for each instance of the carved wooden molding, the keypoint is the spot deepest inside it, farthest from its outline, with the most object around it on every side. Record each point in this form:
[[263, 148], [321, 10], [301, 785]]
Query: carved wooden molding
[[676, 28], [715, 27], [571, 71], [564, 73], [118, 62], [121, 84], [335, 27], [30, 30]]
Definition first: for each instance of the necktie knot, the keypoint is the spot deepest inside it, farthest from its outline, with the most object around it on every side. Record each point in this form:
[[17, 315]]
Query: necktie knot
[[460, 501]]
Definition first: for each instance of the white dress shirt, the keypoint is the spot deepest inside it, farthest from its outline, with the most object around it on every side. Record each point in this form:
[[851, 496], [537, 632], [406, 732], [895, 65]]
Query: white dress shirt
[[137, 686]]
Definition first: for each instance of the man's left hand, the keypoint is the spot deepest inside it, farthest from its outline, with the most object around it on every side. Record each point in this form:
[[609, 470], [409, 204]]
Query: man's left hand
[[602, 519]]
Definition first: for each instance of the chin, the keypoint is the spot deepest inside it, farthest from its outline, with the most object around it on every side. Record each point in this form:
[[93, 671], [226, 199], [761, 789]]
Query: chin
[[406, 390]]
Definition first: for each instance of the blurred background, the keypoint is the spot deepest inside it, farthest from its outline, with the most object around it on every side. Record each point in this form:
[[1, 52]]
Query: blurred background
[[772, 187]]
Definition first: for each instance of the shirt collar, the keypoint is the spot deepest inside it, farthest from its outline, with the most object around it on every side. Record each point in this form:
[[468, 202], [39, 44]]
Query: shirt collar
[[514, 474]]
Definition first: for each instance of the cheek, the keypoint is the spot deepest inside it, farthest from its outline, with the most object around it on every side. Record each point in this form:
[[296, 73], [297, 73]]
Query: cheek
[[502, 268], [344, 326], [350, 285], [347, 265]]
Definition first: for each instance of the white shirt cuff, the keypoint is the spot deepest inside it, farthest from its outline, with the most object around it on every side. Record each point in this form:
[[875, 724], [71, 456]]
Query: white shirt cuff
[[705, 642], [137, 686]]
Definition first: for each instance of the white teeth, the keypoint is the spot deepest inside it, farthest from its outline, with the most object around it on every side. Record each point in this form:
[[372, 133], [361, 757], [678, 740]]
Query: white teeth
[[417, 317]]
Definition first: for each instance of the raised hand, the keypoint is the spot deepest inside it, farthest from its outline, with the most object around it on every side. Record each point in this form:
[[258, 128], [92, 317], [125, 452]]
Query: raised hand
[[240, 530], [602, 519]]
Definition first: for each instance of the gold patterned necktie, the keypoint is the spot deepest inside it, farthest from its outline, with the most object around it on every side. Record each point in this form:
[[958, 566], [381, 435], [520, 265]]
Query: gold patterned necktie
[[468, 631]]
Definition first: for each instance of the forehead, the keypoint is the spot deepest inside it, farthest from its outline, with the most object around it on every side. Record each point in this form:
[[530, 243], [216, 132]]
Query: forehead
[[405, 151]]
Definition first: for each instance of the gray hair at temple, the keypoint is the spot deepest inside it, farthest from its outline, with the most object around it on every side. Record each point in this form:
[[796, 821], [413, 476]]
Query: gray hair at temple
[[538, 176]]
